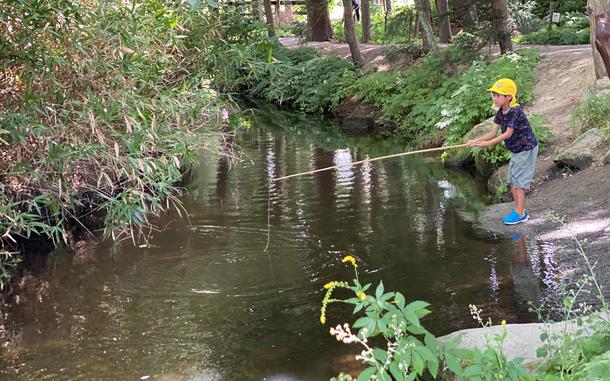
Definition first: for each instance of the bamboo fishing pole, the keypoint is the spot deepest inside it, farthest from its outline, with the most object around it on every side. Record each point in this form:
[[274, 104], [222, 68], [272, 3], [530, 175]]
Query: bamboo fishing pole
[[369, 160]]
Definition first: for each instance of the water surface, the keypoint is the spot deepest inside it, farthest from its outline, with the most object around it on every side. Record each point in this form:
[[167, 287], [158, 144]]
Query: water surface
[[205, 301]]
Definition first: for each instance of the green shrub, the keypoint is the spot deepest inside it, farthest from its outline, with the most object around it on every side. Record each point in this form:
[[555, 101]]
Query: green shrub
[[425, 97], [260, 66], [524, 17], [573, 31], [104, 107], [316, 85], [542, 7], [592, 113], [296, 28], [300, 55], [396, 345]]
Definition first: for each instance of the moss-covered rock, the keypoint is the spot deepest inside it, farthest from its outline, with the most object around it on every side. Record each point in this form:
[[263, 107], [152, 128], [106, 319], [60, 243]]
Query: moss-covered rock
[[463, 157]]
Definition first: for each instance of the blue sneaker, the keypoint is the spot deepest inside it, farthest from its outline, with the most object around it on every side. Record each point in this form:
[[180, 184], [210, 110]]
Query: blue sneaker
[[514, 218]]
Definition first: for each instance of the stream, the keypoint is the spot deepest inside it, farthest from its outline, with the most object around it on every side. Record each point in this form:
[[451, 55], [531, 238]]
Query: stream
[[205, 301]]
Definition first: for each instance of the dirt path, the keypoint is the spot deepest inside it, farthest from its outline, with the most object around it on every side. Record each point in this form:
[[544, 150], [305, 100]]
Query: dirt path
[[563, 74], [372, 53]]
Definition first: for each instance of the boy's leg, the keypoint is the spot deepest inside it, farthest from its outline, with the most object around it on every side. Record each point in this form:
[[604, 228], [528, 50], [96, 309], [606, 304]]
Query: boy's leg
[[519, 195]]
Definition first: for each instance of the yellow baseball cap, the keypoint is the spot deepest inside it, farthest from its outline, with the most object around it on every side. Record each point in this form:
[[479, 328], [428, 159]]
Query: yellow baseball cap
[[505, 86]]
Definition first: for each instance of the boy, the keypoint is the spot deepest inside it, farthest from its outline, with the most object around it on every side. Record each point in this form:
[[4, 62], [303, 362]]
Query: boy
[[519, 139]]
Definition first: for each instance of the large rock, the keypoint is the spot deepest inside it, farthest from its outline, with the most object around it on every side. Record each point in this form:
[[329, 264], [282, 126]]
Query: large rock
[[358, 125], [484, 167], [497, 180], [463, 157], [579, 154], [522, 340], [358, 117], [601, 87]]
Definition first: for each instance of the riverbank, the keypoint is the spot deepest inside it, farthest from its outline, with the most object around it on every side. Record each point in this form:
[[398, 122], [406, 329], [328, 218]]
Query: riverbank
[[566, 203], [565, 77]]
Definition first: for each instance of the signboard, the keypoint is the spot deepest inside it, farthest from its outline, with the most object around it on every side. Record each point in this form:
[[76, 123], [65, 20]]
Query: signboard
[[555, 17]]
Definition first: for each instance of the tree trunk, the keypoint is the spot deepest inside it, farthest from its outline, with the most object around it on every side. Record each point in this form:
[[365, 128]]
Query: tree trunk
[[269, 17], [388, 6], [256, 9], [600, 36], [350, 33], [366, 21], [277, 11], [500, 25], [318, 20], [444, 28], [387, 9], [425, 25], [466, 12]]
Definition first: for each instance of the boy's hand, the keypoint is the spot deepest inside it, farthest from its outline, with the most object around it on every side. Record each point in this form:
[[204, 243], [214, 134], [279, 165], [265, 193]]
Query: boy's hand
[[481, 143], [472, 142]]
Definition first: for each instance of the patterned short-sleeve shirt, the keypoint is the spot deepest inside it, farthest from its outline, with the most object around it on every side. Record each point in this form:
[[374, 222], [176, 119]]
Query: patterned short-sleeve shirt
[[523, 138]]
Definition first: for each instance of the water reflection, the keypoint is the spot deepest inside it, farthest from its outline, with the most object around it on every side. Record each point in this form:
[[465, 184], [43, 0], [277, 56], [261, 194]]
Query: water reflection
[[206, 301]]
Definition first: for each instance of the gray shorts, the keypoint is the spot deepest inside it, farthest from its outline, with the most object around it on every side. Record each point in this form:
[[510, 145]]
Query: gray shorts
[[522, 168]]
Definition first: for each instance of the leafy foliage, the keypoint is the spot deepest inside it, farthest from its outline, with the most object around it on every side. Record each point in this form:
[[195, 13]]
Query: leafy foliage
[[102, 108], [523, 16], [542, 7], [573, 31], [429, 97], [409, 351], [594, 112], [259, 66]]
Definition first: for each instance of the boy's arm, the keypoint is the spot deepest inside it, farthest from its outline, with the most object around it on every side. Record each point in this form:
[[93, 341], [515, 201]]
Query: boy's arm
[[496, 140], [488, 136]]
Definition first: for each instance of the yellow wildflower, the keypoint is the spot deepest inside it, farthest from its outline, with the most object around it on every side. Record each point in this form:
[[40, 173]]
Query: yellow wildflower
[[503, 323], [361, 295], [329, 285], [322, 319], [350, 259]]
